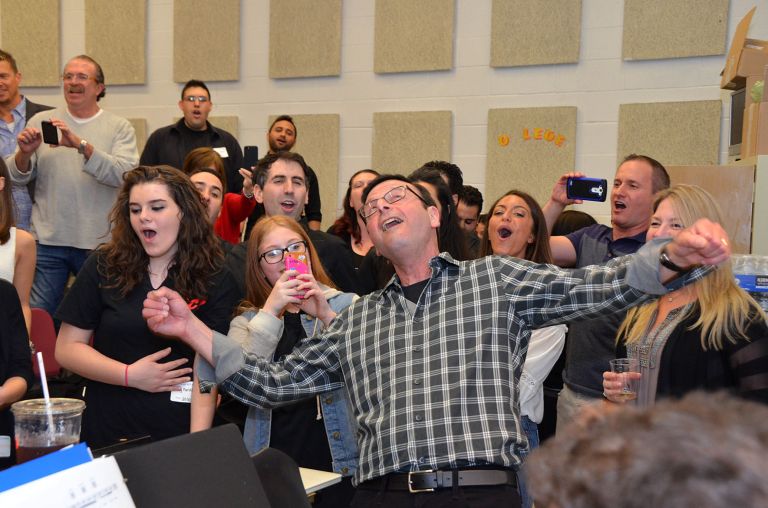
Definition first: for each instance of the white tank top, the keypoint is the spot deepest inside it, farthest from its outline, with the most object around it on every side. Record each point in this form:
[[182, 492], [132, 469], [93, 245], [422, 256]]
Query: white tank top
[[8, 257]]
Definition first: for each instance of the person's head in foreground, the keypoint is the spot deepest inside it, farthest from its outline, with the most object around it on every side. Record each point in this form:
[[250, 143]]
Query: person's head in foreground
[[703, 451]]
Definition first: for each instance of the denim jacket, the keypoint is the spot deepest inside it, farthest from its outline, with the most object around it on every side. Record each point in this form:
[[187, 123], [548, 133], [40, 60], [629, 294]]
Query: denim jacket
[[258, 333]]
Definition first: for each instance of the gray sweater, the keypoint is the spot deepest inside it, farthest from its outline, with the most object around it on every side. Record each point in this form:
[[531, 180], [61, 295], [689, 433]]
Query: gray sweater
[[73, 196]]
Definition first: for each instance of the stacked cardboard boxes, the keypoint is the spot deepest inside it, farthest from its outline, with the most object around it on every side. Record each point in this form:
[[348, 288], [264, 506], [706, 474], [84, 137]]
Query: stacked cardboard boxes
[[747, 63]]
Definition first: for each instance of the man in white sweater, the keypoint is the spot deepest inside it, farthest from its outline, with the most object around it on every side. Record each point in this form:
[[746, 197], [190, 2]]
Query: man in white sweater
[[76, 182]]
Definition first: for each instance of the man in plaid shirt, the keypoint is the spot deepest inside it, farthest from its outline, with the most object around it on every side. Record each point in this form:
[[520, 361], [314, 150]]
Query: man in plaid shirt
[[431, 362]]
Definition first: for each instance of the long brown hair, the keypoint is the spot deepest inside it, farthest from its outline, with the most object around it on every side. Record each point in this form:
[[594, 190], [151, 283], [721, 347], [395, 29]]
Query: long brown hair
[[538, 251], [257, 287], [346, 224], [6, 205], [198, 256]]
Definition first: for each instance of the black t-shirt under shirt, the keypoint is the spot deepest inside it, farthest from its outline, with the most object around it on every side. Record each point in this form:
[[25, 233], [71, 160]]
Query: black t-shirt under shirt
[[119, 332], [295, 428]]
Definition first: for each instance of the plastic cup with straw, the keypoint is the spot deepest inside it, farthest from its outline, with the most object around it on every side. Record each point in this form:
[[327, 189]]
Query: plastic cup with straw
[[46, 395], [45, 425]]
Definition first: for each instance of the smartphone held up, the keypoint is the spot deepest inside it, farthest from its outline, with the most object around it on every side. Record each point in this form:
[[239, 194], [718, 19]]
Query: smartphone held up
[[296, 261], [587, 189], [50, 133]]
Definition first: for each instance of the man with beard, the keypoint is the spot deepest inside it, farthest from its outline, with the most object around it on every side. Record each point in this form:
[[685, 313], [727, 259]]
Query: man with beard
[[16, 110], [75, 182], [281, 137], [590, 344], [171, 144]]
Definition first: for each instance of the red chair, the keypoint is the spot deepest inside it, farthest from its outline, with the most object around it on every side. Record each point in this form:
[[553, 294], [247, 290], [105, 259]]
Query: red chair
[[43, 337]]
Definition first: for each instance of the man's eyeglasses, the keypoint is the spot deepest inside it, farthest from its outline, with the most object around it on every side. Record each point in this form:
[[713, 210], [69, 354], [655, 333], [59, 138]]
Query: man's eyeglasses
[[69, 76], [199, 98], [276, 255], [393, 196]]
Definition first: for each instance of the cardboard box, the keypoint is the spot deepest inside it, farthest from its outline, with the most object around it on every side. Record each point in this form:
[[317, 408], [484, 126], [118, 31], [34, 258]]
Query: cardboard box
[[749, 131], [746, 56], [751, 80], [761, 145]]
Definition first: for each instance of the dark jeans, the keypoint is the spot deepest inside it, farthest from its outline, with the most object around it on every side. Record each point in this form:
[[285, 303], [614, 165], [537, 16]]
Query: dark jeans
[[54, 265], [505, 496]]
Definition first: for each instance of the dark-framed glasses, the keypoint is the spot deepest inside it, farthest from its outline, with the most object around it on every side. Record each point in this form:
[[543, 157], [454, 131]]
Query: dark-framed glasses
[[273, 256], [196, 98], [394, 195]]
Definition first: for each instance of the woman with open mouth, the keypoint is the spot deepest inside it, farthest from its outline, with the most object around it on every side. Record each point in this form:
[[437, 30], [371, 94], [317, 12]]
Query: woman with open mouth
[[138, 385], [517, 227]]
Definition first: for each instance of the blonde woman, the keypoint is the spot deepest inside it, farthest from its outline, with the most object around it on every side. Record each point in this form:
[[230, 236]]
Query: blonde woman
[[710, 335]]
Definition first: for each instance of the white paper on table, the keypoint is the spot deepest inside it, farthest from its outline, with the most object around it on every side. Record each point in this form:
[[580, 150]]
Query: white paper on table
[[98, 483], [315, 480]]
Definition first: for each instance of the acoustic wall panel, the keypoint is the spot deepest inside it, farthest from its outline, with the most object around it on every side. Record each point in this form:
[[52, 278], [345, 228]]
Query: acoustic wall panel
[[31, 33], [674, 28], [529, 149], [230, 124], [403, 142], [304, 38], [206, 40], [115, 35], [317, 141], [413, 36], [535, 33], [140, 126], [680, 133]]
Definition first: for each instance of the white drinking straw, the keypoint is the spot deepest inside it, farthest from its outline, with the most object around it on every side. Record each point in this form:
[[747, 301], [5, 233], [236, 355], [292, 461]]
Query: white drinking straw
[[44, 383]]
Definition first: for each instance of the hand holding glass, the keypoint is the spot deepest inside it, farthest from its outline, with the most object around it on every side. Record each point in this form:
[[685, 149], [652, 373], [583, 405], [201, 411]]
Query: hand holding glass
[[626, 372]]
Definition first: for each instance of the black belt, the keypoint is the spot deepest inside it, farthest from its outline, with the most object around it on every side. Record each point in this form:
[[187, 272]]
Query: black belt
[[428, 481]]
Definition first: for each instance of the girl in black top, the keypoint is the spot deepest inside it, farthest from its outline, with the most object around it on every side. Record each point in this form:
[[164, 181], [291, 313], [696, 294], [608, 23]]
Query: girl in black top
[[138, 383]]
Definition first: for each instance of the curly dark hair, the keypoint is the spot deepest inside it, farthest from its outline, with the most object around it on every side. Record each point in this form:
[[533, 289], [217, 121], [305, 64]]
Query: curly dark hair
[[346, 226], [199, 255]]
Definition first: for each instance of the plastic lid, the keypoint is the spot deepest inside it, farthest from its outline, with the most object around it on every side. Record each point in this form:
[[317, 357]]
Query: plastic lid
[[38, 407]]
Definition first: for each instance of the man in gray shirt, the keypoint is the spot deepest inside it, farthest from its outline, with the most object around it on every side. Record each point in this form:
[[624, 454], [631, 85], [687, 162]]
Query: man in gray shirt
[[75, 182]]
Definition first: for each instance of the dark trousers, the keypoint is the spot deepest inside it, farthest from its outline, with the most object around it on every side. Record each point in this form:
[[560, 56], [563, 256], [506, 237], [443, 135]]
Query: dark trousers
[[456, 497]]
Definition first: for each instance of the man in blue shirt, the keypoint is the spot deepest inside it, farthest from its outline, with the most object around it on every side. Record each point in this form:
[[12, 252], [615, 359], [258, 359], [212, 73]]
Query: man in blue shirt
[[15, 110], [590, 344]]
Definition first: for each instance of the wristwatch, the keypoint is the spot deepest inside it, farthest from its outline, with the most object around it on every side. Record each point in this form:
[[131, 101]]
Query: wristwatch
[[666, 262], [81, 147]]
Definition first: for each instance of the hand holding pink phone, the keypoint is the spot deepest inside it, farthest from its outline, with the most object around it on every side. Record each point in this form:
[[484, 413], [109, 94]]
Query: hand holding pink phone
[[299, 265]]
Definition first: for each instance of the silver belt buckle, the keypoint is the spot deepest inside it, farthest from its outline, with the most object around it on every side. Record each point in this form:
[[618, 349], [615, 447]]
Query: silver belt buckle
[[410, 484]]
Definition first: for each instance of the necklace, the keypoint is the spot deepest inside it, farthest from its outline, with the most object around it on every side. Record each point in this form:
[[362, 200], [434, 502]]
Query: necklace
[[162, 273]]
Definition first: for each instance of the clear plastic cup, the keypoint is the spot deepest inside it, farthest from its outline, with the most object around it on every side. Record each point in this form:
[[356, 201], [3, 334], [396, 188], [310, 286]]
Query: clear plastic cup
[[629, 374], [40, 429]]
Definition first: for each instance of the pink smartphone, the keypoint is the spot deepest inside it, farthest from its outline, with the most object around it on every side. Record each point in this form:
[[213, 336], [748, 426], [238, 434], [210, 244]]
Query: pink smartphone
[[292, 263]]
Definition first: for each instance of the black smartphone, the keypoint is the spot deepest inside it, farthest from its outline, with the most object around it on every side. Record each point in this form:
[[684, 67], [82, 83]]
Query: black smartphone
[[250, 156], [50, 133], [588, 189]]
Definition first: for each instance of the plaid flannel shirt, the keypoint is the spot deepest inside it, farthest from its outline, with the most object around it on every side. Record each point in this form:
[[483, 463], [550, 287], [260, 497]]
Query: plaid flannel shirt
[[438, 387]]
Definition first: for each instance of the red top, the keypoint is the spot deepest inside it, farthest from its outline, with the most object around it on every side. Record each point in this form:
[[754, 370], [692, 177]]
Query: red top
[[235, 209]]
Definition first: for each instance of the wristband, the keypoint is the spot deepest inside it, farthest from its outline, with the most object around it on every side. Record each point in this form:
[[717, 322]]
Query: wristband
[[126, 374], [666, 262]]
